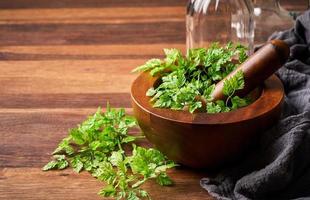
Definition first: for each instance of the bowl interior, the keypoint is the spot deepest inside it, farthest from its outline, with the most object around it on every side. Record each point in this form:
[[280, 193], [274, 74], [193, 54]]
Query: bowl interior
[[268, 96]]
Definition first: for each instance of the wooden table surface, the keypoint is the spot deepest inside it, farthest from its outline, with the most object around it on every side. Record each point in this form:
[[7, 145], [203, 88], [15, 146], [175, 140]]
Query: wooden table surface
[[59, 60]]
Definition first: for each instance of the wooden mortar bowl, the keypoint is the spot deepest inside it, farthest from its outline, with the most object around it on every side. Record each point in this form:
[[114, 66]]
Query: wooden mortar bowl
[[202, 140]]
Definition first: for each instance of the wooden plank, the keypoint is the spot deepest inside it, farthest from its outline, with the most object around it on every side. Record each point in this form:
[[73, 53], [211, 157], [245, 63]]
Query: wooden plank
[[107, 50], [37, 57], [101, 76], [117, 15], [17, 4], [67, 100], [32, 183], [86, 52], [86, 34]]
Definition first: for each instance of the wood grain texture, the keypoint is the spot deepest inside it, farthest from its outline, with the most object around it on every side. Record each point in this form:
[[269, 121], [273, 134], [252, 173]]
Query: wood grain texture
[[71, 186], [85, 52], [61, 59], [102, 76], [117, 15], [84, 100], [17, 4], [60, 34]]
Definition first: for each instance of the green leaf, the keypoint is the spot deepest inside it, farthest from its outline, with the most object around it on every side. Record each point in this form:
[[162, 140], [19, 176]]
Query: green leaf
[[77, 136], [132, 196], [151, 64], [150, 163], [242, 52], [59, 162], [163, 179], [116, 158], [151, 92], [234, 83], [213, 108], [172, 56], [130, 121], [222, 105], [238, 102], [196, 56], [77, 163], [158, 70], [129, 139], [194, 106], [94, 145], [105, 172], [64, 147], [51, 165], [144, 194], [62, 162], [108, 191], [207, 93]]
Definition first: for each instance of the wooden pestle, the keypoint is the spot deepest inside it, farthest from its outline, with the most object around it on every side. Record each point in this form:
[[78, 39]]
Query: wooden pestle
[[257, 68]]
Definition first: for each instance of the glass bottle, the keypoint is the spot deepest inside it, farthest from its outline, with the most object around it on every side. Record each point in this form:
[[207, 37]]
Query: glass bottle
[[270, 17], [220, 21]]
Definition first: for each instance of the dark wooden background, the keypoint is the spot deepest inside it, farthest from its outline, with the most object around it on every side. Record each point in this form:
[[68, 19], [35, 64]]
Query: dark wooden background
[[59, 60]]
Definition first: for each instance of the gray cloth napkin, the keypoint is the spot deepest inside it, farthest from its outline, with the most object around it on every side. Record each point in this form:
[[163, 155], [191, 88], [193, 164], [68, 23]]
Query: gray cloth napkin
[[280, 167]]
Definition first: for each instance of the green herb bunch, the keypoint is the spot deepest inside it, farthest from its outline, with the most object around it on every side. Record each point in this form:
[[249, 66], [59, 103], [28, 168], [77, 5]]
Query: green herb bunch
[[97, 146], [187, 82]]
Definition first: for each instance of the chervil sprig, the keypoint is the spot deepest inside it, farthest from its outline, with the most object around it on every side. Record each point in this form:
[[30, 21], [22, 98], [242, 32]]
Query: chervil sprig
[[97, 146]]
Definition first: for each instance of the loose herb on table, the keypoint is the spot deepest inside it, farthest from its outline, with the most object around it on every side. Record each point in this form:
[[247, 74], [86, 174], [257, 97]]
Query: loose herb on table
[[187, 82], [97, 146]]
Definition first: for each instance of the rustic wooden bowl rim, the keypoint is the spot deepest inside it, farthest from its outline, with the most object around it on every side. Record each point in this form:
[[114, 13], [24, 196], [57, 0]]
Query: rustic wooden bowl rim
[[271, 96]]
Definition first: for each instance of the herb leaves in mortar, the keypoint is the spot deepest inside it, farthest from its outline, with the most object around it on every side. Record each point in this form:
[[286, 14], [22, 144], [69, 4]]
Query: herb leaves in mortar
[[187, 82]]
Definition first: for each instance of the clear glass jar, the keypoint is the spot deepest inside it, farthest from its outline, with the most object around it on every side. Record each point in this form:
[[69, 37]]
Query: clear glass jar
[[270, 17], [220, 21]]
